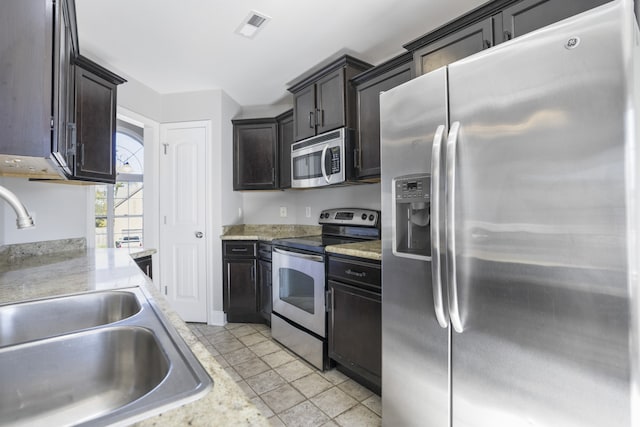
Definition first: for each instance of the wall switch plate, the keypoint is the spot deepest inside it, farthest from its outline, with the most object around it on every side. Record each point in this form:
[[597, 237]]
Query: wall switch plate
[[283, 211], [239, 212], [307, 211]]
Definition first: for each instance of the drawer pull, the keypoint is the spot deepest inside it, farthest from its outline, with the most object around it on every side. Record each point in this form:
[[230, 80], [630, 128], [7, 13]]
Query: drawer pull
[[239, 250], [356, 273]]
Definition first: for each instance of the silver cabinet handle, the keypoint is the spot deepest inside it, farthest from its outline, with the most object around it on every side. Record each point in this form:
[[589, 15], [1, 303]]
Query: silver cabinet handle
[[199, 234], [316, 258], [312, 125], [436, 267], [452, 143]]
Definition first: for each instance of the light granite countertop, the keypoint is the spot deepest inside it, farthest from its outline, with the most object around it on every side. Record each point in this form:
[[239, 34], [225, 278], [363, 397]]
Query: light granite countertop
[[369, 250], [268, 232], [68, 272]]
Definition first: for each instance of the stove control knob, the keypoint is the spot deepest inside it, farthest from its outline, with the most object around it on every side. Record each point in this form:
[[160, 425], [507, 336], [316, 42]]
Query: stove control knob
[[371, 217], [364, 216]]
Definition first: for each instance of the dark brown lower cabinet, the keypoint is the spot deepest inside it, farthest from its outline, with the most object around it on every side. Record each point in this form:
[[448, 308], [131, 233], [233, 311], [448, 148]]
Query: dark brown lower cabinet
[[241, 295], [355, 320], [145, 265], [264, 278]]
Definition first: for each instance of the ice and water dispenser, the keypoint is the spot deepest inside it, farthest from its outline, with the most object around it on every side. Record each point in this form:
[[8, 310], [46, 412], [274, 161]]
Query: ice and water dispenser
[[412, 231]]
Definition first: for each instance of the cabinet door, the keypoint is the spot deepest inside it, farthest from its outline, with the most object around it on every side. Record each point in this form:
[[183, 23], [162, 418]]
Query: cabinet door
[[330, 102], [368, 148], [285, 139], [26, 80], [63, 145], [355, 337], [467, 41], [96, 127], [264, 268], [304, 108], [255, 154], [240, 292], [529, 15]]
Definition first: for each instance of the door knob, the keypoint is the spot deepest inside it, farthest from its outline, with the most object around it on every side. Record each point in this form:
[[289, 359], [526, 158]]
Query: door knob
[[199, 234]]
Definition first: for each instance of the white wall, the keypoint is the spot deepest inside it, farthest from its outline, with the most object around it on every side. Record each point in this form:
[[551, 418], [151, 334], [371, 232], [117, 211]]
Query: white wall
[[264, 207], [59, 211], [222, 203]]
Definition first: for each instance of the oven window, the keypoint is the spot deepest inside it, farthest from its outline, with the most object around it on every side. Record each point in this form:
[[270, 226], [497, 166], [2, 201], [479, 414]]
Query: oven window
[[307, 166], [297, 288]]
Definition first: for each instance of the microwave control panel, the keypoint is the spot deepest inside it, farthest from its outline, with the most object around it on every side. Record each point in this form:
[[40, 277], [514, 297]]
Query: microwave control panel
[[333, 156]]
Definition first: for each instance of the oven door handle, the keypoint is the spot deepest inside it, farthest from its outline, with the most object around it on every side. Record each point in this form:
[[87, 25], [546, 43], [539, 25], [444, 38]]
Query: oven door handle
[[316, 258]]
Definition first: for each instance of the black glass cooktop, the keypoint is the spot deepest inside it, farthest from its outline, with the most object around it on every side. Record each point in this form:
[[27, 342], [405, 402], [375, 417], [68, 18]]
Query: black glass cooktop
[[312, 243]]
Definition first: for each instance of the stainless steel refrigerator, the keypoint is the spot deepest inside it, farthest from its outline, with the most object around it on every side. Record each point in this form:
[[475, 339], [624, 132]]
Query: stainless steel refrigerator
[[511, 227]]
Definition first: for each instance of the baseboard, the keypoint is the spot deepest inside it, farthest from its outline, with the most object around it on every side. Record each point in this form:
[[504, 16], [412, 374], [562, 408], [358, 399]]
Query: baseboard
[[217, 318]]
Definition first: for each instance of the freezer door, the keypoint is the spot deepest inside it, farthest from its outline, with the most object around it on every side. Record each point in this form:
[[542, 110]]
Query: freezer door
[[414, 345], [537, 240]]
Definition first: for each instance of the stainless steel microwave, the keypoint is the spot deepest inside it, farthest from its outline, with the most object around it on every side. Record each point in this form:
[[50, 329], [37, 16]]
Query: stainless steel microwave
[[321, 160]]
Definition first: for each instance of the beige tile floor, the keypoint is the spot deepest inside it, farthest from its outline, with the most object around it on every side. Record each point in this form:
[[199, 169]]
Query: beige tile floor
[[287, 390]]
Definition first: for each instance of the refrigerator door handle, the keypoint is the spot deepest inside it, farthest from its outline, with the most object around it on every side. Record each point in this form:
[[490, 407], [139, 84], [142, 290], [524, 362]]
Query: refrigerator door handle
[[452, 142], [436, 267]]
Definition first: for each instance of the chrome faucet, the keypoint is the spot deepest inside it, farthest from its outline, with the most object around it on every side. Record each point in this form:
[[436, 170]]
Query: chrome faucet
[[23, 220]]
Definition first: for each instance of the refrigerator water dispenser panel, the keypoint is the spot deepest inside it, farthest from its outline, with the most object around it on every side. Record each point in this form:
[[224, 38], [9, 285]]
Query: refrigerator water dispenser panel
[[411, 225]]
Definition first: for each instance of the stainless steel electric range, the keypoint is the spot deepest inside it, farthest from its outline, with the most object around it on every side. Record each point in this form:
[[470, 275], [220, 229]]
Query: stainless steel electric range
[[298, 319]]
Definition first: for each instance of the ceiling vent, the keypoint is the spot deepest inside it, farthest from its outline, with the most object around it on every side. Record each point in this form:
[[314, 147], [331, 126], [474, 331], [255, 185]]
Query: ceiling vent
[[254, 22]]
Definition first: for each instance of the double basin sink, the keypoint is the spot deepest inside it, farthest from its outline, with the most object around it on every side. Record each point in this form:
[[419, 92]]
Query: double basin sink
[[97, 358]]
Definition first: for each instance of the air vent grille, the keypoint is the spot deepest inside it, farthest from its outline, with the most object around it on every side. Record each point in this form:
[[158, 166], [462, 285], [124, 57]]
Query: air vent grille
[[256, 20], [252, 23]]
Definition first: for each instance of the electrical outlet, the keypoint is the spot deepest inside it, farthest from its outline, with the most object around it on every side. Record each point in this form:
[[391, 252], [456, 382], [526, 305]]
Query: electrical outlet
[[307, 211], [283, 211], [239, 212]]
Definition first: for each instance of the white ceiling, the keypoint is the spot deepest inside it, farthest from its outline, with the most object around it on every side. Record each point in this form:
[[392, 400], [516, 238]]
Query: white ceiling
[[191, 45]]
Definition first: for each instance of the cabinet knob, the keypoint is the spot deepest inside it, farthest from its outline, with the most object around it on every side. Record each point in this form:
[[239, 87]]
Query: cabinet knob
[[199, 234]]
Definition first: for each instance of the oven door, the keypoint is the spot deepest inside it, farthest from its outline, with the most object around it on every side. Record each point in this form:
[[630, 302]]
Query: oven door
[[298, 289]]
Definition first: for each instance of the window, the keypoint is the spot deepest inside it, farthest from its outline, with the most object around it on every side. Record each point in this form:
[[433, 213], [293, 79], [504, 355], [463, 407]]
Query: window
[[119, 206]]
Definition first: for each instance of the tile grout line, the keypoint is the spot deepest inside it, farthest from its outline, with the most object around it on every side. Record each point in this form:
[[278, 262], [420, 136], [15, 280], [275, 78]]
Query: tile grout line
[[222, 341]]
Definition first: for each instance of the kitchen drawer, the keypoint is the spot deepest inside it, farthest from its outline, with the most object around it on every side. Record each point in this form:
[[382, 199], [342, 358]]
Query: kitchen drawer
[[236, 248], [355, 271]]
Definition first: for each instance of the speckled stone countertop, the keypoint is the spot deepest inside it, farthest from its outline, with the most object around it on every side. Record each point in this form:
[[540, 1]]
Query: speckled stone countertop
[[268, 232], [141, 253], [370, 250], [75, 271]]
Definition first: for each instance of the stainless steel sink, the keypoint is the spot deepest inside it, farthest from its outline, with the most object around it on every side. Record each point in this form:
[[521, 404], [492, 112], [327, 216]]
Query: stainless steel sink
[[128, 365], [54, 316]]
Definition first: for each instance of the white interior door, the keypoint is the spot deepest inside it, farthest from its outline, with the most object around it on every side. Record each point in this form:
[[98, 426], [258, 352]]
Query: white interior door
[[182, 217]]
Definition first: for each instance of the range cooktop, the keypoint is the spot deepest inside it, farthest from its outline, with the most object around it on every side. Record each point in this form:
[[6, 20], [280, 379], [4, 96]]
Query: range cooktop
[[345, 225]]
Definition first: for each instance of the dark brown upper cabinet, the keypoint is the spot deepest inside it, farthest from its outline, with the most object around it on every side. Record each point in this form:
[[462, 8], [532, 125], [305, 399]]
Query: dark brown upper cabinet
[[529, 15], [255, 154], [37, 41], [262, 152], [95, 105], [285, 139], [490, 24], [55, 112], [323, 99], [458, 45], [368, 86]]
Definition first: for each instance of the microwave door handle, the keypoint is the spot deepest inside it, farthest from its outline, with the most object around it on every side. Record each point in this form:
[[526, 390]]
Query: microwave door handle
[[322, 165]]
